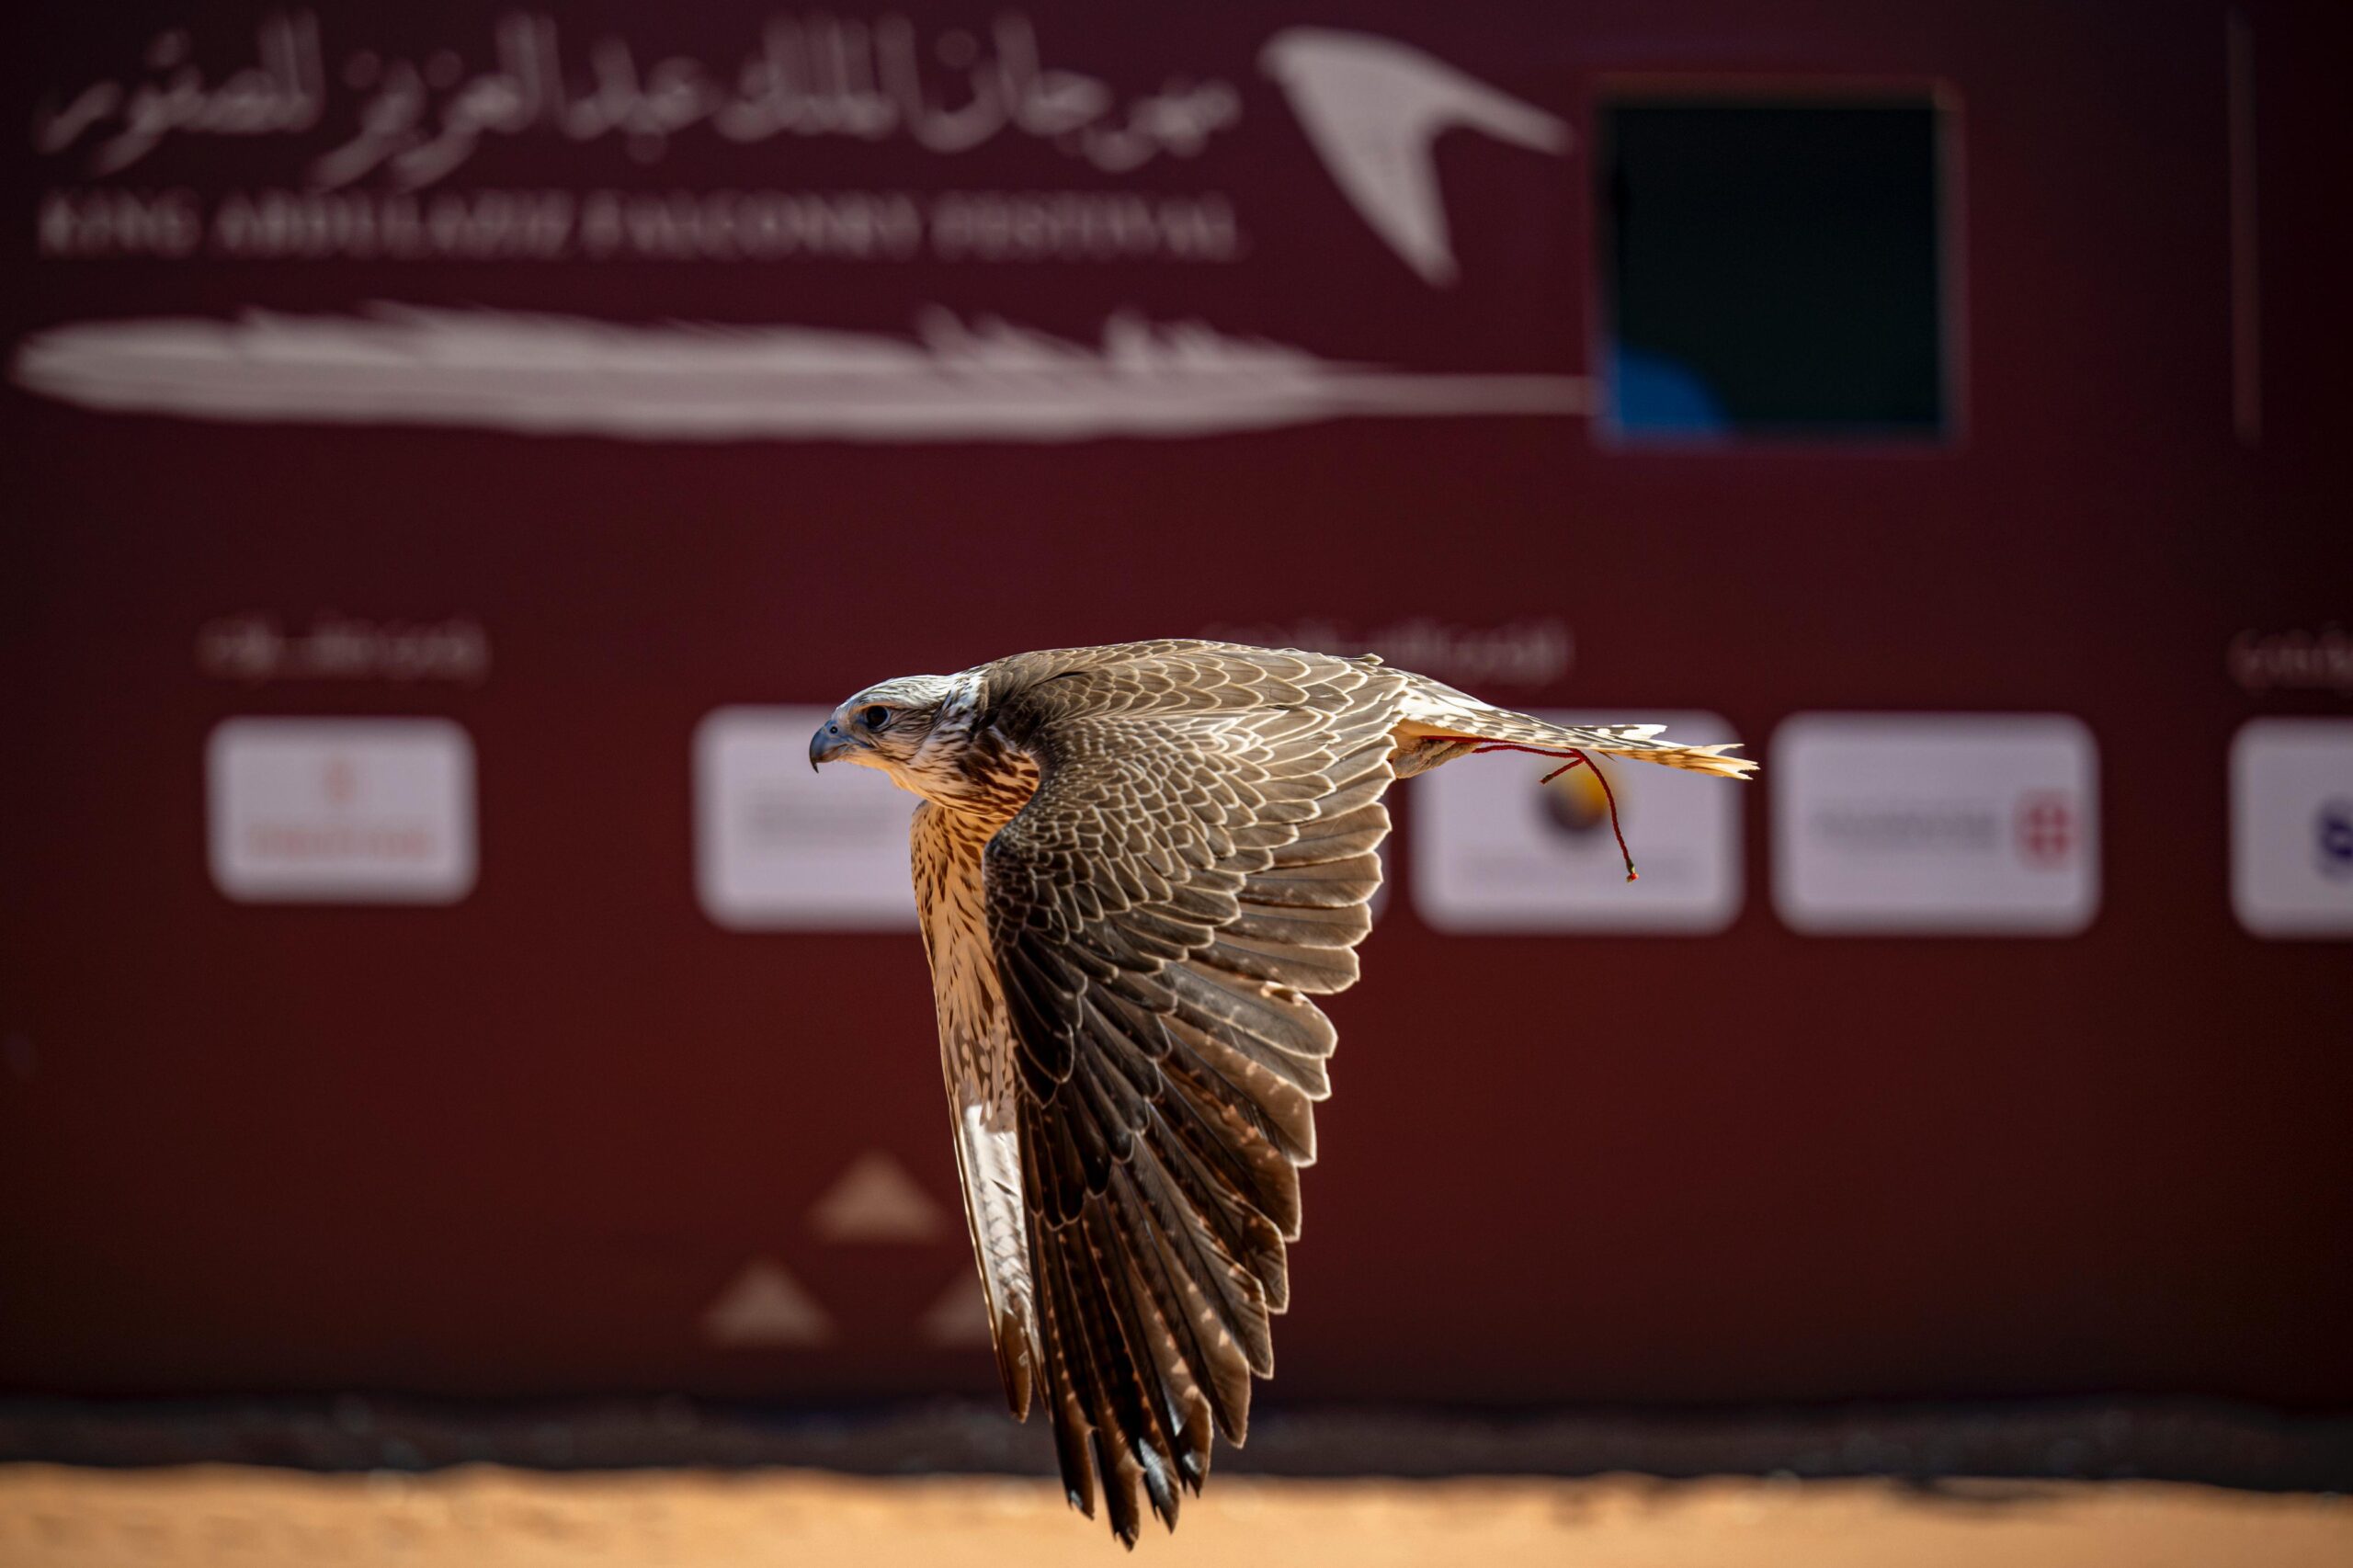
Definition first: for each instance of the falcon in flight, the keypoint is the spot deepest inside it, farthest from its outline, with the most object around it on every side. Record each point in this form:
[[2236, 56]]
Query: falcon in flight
[[1136, 865]]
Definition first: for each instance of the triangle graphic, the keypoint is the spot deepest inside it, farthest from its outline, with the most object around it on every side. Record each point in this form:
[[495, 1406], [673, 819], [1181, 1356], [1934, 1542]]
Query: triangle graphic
[[765, 1305], [876, 1200], [959, 1318]]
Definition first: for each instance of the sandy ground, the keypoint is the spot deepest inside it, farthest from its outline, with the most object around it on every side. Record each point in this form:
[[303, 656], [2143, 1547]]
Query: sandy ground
[[483, 1517]]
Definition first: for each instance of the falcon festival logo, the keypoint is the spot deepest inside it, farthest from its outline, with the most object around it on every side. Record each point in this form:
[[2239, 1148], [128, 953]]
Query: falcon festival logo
[[919, 162]]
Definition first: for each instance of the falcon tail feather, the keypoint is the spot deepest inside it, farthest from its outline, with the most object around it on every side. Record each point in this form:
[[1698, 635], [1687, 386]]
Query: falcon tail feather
[[1437, 723], [1517, 732]]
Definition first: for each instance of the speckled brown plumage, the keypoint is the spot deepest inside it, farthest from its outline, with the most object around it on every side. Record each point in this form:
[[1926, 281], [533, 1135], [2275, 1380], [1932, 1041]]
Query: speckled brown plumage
[[1136, 866]]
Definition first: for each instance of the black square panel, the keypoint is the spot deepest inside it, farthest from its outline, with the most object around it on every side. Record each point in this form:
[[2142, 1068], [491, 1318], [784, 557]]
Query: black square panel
[[1773, 267]]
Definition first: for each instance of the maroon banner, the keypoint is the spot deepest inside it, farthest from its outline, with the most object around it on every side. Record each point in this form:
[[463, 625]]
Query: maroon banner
[[450, 451]]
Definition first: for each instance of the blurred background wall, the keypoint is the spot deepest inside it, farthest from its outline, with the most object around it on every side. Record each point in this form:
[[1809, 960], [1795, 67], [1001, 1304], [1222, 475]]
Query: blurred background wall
[[453, 453]]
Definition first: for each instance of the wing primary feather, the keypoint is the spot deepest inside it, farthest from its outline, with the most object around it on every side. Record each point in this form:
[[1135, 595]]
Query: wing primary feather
[[1097, 1361], [1181, 1203], [1204, 1372], [1132, 1364], [1107, 1398], [1118, 1494], [1061, 1377], [1231, 1138], [1282, 1090]]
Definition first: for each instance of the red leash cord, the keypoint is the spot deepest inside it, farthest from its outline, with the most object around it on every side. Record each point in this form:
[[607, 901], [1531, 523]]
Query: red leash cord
[[1575, 757]]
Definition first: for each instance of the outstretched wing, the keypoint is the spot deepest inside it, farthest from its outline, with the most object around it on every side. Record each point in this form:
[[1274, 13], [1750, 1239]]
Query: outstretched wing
[[1195, 862]]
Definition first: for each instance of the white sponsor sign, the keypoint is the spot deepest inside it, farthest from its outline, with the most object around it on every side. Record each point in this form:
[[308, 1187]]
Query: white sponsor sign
[[2291, 827], [780, 847], [341, 811], [1935, 823], [1495, 850]]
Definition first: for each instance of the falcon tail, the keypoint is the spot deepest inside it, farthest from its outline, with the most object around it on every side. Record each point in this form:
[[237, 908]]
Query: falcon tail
[[1438, 723], [1477, 727]]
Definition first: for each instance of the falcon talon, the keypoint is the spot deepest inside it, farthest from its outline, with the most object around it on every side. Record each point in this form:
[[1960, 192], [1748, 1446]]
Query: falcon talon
[[1164, 975]]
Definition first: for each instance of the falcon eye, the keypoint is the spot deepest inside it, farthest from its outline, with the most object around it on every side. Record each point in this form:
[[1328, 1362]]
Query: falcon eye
[[874, 718]]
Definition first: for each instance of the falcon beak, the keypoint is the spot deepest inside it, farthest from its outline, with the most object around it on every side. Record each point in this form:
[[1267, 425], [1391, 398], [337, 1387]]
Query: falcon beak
[[827, 744]]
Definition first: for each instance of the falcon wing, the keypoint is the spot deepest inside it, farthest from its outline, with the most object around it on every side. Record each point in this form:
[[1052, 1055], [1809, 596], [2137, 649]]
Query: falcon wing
[[1195, 860]]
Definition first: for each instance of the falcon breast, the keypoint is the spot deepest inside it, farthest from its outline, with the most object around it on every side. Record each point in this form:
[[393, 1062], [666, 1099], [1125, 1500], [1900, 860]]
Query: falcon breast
[[1136, 866]]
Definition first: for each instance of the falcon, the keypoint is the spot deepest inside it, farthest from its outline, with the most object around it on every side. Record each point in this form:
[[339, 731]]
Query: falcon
[[1136, 865]]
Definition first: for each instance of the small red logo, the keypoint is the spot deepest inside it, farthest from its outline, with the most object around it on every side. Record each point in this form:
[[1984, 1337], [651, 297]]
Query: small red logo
[[342, 781], [2046, 828]]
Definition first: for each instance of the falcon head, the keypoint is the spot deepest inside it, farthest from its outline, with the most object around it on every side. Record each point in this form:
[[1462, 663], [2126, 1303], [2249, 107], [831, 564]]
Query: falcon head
[[884, 726]]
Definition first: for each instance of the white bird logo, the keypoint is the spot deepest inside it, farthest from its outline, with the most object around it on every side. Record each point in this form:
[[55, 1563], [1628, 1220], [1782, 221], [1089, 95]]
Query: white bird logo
[[1372, 108]]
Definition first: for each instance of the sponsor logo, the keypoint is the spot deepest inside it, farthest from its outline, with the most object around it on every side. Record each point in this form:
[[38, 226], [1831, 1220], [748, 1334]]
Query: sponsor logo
[[2291, 827], [1576, 804], [341, 811], [1935, 823], [2332, 830], [2046, 828], [1497, 851], [779, 847]]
